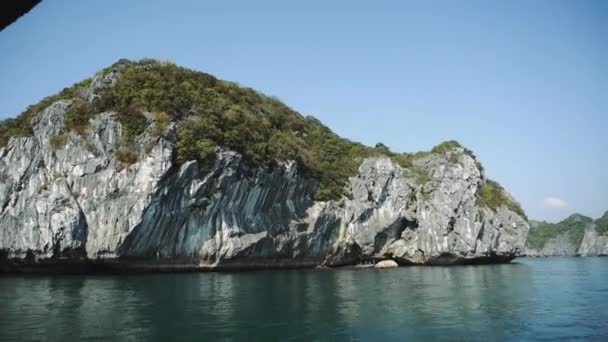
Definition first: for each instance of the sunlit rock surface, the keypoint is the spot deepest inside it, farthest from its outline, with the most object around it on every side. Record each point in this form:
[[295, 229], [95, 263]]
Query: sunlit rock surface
[[79, 204]]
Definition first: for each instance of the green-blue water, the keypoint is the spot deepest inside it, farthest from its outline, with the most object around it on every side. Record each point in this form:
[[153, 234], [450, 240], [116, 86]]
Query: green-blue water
[[532, 299]]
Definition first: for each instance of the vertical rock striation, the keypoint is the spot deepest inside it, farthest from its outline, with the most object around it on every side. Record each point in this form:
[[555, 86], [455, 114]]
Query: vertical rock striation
[[78, 203], [577, 235]]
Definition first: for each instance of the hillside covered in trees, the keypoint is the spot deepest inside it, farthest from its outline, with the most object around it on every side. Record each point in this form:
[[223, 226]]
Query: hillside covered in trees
[[211, 112]]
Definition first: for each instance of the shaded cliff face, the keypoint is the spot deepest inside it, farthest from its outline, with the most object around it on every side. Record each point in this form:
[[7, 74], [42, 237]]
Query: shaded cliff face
[[577, 235], [78, 201]]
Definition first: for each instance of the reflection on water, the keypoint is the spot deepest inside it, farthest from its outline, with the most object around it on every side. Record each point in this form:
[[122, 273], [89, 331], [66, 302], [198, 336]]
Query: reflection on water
[[534, 298]]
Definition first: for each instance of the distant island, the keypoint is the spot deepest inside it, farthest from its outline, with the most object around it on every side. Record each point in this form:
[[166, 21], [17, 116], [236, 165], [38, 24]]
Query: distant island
[[577, 235], [148, 165]]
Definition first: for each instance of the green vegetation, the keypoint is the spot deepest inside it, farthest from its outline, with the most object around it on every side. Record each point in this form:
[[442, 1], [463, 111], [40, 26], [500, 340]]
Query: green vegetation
[[574, 226], [78, 115], [57, 141], [126, 155], [421, 176], [209, 112], [453, 158], [446, 146], [329, 158], [602, 224], [382, 149], [493, 196], [406, 160], [160, 120], [212, 112], [18, 127], [133, 123], [21, 125]]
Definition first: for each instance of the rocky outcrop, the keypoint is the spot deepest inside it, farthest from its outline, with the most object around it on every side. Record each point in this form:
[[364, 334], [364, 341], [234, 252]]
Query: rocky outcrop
[[577, 235], [594, 243], [77, 203], [386, 264], [557, 246]]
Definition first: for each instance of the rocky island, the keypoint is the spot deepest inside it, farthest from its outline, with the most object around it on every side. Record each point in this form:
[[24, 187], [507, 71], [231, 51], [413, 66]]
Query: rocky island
[[148, 165], [577, 235]]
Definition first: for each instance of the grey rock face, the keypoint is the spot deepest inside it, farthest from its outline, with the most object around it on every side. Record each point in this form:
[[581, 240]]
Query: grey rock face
[[557, 246], [79, 202], [593, 244]]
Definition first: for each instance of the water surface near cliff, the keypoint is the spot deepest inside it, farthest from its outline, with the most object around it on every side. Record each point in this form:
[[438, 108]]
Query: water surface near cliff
[[531, 299]]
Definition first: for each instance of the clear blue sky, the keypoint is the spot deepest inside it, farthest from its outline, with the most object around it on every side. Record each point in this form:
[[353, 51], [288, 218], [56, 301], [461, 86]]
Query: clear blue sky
[[522, 83]]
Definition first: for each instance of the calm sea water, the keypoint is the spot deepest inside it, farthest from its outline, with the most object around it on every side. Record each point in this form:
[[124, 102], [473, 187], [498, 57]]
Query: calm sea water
[[531, 299]]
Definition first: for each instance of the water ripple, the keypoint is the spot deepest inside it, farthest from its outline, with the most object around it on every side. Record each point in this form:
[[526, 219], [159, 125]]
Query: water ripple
[[535, 299]]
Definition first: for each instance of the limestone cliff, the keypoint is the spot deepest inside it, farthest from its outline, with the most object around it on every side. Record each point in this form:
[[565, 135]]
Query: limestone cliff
[[577, 235], [78, 202]]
